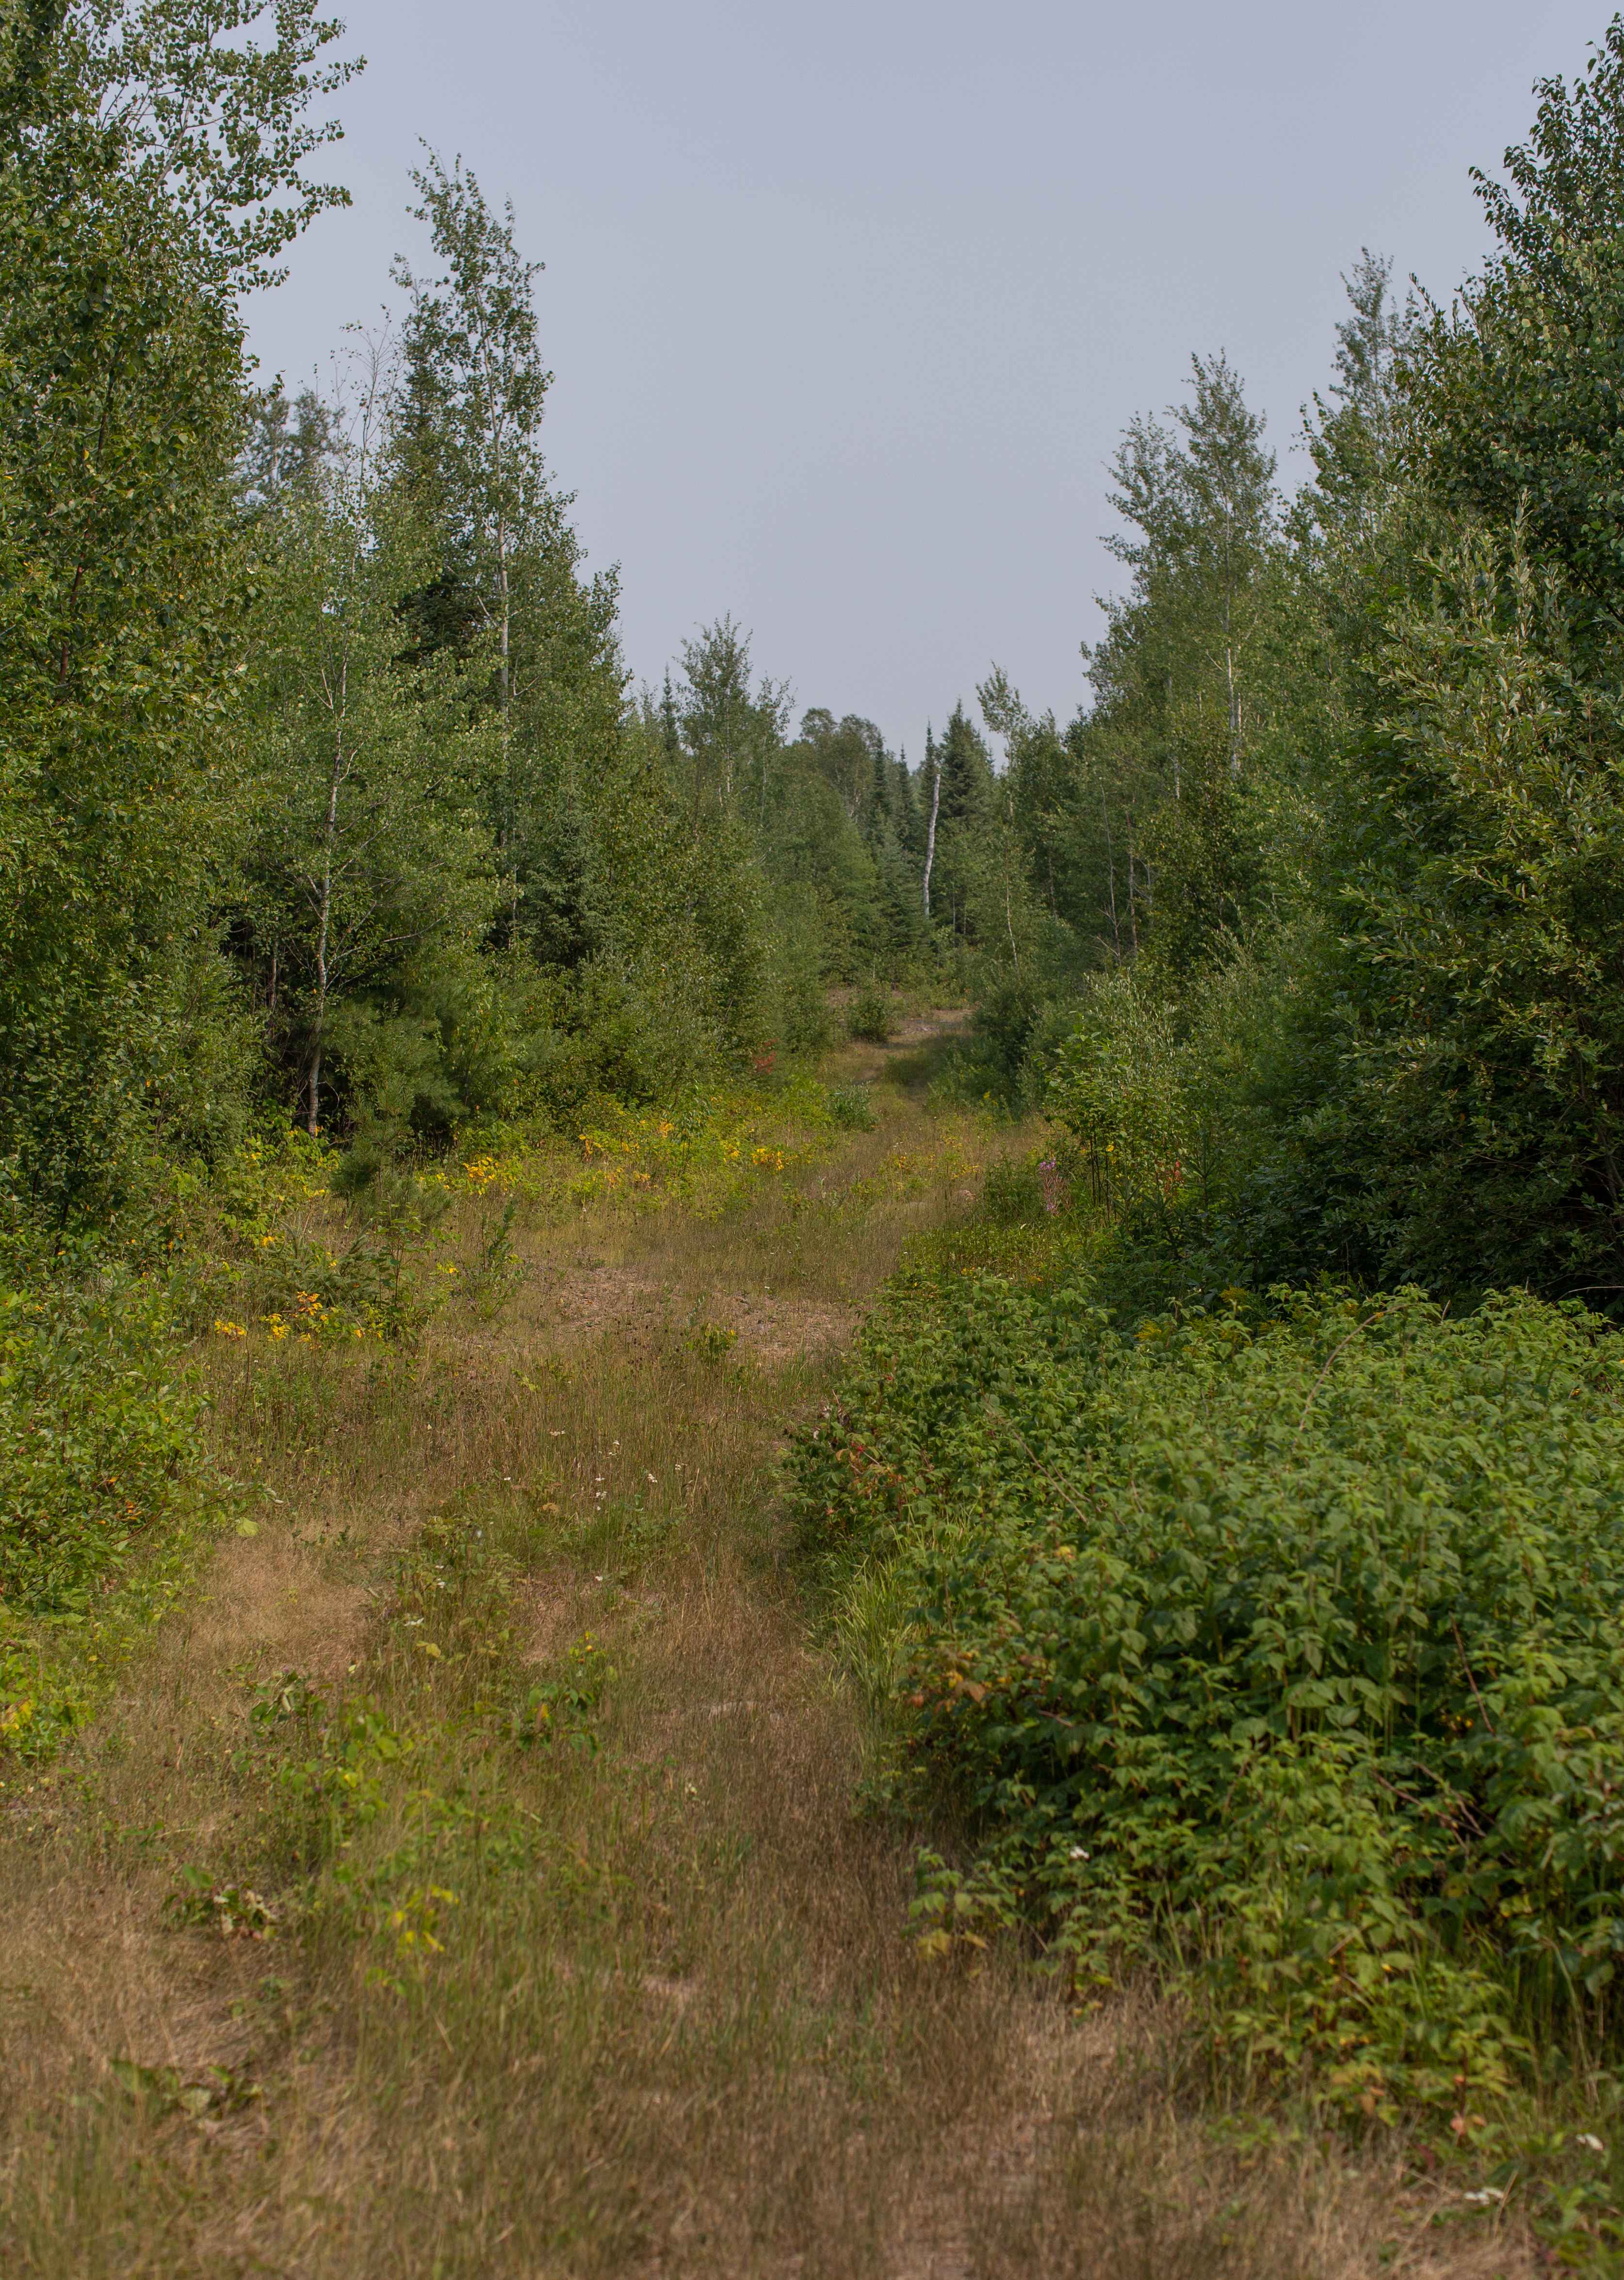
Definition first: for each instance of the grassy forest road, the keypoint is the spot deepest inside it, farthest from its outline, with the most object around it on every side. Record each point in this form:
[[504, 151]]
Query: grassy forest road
[[530, 1930]]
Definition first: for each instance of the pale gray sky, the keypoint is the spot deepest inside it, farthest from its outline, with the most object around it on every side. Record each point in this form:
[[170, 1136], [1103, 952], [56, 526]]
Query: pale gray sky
[[848, 303]]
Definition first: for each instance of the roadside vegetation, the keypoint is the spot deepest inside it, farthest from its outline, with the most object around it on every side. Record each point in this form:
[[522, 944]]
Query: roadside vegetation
[[465, 1874], [1268, 1651]]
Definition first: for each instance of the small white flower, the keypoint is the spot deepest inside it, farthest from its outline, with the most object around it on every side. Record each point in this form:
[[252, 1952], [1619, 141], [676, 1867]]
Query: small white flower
[[1078, 1853], [1486, 2196], [1595, 2144]]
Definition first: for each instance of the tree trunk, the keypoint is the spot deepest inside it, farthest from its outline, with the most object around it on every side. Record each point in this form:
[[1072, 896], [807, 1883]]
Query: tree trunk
[[1234, 713], [505, 692], [1009, 915], [1110, 874], [323, 935], [1234, 694], [931, 837]]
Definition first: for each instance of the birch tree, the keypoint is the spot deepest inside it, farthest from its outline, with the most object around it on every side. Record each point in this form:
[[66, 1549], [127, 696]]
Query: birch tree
[[366, 864], [475, 391], [150, 169]]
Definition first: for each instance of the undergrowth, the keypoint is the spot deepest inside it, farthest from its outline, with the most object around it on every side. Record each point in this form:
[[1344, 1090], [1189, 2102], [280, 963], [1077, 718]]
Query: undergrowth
[[1274, 1647], [105, 1493]]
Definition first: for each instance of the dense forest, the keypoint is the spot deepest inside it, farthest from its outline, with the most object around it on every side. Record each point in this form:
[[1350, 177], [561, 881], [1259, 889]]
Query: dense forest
[[1241, 1471], [327, 796]]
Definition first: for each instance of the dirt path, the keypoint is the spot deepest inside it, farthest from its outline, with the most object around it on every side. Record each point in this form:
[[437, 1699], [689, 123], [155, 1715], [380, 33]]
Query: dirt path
[[459, 1955]]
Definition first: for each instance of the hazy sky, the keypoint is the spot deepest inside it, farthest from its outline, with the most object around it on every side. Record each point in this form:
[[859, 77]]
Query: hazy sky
[[847, 304]]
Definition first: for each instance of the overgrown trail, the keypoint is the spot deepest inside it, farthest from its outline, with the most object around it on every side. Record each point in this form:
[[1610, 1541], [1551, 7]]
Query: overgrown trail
[[530, 1929]]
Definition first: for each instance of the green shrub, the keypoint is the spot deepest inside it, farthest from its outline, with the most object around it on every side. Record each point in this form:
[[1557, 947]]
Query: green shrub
[[1119, 1084], [872, 1016], [851, 1107], [304, 1241], [1013, 1194], [96, 1437], [1286, 1645]]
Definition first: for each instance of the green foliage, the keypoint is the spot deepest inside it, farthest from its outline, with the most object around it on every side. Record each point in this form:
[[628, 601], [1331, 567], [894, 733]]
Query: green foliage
[[143, 153], [1178, 762], [289, 1238], [98, 1435], [319, 785], [504, 593], [730, 733], [1275, 1642], [1431, 1086], [1484, 1030], [1471, 872], [872, 1016], [1019, 1191], [1118, 1083], [559, 1712], [851, 1107], [367, 883]]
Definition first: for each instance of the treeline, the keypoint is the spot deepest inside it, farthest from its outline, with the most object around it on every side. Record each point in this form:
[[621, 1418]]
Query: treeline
[[1339, 837], [325, 794]]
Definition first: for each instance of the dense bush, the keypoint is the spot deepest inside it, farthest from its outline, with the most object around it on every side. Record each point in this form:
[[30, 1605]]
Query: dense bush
[[97, 1436], [872, 1016], [1284, 1643], [851, 1108]]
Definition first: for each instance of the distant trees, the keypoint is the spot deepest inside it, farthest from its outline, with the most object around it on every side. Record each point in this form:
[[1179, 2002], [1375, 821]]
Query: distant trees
[[829, 816], [729, 733]]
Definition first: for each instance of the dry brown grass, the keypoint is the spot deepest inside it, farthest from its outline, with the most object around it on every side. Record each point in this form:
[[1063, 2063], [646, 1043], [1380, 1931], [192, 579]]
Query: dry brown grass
[[680, 2029]]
